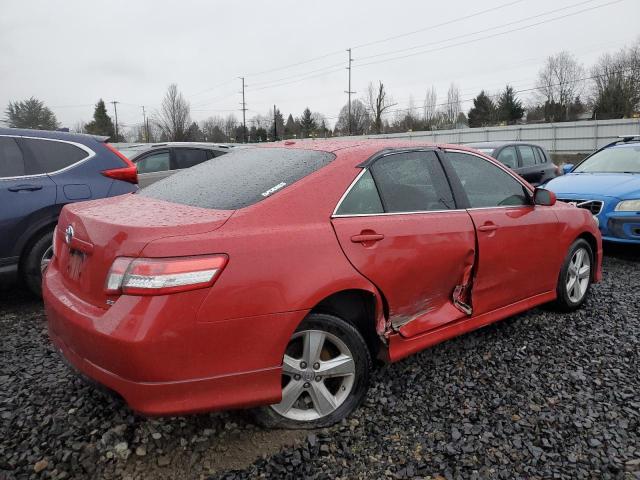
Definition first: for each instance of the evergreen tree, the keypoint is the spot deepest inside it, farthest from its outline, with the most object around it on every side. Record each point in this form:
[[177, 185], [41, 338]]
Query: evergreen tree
[[510, 109], [101, 123], [31, 113], [483, 112], [307, 123]]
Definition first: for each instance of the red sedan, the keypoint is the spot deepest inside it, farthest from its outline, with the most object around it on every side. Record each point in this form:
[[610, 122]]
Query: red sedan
[[272, 276]]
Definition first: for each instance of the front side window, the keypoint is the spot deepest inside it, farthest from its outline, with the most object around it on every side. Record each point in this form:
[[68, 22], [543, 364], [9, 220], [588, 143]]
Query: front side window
[[11, 160], [48, 156], [188, 157], [508, 157], [156, 162], [412, 182], [238, 179], [527, 155], [619, 159], [485, 184]]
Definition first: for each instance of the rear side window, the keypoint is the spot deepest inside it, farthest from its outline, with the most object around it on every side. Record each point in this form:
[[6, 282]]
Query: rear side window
[[156, 162], [541, 156], [412, 182], [362, 199], [238, 179], [485, 184], [47, 156], [508, 157], [527, 155], [11, 160], [188, 157]]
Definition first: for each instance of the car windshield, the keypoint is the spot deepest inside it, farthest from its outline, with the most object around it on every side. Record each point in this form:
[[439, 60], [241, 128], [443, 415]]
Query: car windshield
[[619, 159], [238, 179]]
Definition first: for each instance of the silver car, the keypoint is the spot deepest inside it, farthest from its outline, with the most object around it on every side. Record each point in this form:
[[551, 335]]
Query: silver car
[[159, 160]]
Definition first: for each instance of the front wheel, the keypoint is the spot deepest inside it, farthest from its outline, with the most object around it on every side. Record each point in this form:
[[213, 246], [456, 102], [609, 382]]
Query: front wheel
[[575, 277], [325, 375]]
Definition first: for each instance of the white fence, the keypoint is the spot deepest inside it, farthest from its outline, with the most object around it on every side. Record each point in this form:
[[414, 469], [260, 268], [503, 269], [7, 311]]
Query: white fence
[[566, 137]]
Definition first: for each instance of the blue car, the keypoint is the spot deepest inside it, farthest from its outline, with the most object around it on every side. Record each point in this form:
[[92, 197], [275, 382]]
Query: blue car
[[608, 184], [40, 172]]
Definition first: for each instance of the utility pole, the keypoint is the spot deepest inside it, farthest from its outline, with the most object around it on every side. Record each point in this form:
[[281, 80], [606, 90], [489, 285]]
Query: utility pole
[[275, 125], [349, 92], [146, 125], [115, 110], [244, 111]]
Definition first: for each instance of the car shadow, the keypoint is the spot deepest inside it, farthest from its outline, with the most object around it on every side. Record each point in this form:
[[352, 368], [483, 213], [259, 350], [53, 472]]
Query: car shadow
[[622, 251]]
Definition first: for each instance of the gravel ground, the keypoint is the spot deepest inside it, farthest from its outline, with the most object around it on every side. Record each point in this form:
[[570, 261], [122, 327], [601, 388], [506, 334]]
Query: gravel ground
[[540, 395]]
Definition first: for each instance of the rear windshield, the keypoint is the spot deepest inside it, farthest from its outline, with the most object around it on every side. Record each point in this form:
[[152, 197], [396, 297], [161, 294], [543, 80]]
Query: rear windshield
[[238, 179]]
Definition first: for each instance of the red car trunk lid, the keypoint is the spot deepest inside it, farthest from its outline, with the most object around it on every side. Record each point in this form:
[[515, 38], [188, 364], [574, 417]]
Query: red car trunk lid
[[92, 234]]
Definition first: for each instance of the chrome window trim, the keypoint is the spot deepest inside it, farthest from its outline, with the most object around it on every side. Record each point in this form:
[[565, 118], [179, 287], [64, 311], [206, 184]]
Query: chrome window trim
[[421, 212], [90, 154]]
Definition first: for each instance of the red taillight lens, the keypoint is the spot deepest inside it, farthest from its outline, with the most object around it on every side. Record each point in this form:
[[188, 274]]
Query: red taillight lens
[[160, 276], [126, 174]]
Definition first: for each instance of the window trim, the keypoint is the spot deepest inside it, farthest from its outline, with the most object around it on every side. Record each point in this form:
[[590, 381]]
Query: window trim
[[90, 155]]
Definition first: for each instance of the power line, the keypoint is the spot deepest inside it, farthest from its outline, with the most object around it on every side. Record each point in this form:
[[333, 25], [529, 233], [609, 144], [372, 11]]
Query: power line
[[489, 36]]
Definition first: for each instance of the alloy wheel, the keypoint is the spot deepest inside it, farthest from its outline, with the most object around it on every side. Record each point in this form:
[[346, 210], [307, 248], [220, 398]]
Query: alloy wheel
[[318, 374], [578, 275], [46, 258]]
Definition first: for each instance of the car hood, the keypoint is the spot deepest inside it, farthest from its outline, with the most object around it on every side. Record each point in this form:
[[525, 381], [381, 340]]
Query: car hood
[[620, 185]]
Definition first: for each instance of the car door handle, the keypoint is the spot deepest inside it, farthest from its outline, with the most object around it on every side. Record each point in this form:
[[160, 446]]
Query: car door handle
[[367, 237], [487, 227], [28, 188]]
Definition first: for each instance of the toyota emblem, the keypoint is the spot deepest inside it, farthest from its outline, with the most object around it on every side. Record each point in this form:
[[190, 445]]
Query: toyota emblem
[[68, 234]]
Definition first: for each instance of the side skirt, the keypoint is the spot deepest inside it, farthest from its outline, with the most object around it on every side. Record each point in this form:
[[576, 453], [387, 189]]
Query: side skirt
[[400, 347]]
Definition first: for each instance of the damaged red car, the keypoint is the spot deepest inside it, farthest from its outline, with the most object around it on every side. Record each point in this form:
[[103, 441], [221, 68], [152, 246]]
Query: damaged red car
[[272, 277]]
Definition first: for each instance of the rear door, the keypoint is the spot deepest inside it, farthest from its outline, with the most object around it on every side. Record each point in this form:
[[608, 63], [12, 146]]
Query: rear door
[[24, 193], [399, 226], [548, 168], [530, 168], [517, 258], [153, 166]]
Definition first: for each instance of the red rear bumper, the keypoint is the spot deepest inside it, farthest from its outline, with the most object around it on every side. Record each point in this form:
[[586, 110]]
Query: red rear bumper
[[153, 352]]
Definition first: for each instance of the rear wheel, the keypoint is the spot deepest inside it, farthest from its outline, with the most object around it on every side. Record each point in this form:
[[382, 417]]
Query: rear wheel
[[325, 375], [36, 260], [575, 277]]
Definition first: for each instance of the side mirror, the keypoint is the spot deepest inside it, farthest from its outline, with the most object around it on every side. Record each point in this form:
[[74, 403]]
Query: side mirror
[[567, 167], [542, 196]]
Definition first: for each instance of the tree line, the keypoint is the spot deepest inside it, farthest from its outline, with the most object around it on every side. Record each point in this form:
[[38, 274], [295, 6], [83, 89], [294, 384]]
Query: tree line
[[565, 90]]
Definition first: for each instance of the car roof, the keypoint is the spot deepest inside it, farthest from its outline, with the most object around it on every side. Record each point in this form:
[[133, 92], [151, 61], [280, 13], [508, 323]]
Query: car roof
[[53, 134]]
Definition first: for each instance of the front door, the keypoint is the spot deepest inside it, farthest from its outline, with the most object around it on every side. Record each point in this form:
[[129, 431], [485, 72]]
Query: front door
[[516, 258], [400, 228]]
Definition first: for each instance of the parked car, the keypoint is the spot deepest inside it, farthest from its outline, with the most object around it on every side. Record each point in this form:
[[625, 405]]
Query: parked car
[[157, 161], [607, 183], [40, 172], [530, 161], [273, 276]]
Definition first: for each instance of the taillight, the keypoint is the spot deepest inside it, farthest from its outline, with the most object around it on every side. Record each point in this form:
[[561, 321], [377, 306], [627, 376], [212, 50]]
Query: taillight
[[126, 174], [160, 276]]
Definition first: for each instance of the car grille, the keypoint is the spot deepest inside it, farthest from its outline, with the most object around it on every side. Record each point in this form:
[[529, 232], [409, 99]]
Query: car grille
[[594, 206]]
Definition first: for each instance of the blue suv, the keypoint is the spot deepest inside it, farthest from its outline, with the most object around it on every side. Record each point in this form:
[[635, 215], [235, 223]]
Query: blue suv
[[40, 172], [608, 184]]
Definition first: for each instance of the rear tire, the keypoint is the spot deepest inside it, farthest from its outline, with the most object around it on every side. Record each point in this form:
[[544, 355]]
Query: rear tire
[[325, 375], [574, 281], [35, 259]]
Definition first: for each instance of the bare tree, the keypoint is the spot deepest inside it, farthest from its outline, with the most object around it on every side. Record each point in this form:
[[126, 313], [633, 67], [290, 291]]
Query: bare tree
[[429, 106], [229, 129], [453, 108], [377, 103], [174, 118], [559, 80], [360, 119]]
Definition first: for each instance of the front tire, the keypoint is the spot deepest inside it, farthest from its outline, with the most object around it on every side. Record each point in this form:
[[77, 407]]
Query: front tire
[[325, 375], [36, 260], [574, 281]]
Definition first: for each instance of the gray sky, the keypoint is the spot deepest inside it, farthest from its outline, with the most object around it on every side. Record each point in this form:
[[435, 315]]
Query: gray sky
[[70, 53]]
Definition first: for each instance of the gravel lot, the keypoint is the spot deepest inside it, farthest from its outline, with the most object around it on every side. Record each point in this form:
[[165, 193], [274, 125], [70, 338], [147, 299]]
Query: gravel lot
[[540, 395]]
